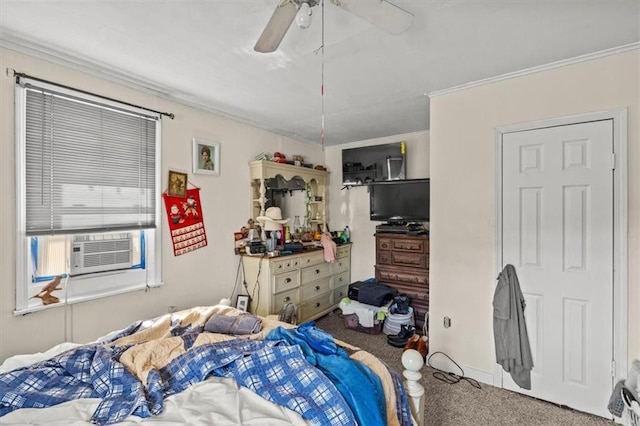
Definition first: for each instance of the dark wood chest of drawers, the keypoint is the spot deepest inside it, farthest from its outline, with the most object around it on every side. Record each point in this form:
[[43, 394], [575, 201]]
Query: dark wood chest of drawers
[[402, 262]]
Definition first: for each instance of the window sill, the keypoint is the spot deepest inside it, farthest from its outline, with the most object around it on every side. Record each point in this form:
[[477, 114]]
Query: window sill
[[85, 298]]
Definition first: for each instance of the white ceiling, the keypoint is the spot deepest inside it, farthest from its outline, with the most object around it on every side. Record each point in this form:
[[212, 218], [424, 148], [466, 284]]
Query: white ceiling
[[200, 52]]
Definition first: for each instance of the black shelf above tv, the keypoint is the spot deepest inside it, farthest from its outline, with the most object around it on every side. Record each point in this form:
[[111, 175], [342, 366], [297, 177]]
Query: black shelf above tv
[[376, 163], [359, 177]]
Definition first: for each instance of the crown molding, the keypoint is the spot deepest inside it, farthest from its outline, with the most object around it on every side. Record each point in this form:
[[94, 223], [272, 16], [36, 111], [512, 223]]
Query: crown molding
[[85, 65], [537, 69], [79, 63]]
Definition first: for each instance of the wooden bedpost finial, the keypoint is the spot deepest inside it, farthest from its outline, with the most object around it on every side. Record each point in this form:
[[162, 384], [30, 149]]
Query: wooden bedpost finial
[[413, 362]]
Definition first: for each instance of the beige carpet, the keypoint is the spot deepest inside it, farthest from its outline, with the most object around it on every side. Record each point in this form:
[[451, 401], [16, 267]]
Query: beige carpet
[[461, 404]]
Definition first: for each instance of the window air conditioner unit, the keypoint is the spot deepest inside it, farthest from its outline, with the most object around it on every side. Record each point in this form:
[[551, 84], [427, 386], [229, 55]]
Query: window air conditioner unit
[[99, 253]]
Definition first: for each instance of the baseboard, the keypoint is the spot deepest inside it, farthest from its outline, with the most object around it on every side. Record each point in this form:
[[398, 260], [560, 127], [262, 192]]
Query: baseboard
[[441, 362]]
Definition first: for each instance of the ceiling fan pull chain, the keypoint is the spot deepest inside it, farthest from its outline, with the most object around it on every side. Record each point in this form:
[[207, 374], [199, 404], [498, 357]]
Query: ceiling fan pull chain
[[322, 78]]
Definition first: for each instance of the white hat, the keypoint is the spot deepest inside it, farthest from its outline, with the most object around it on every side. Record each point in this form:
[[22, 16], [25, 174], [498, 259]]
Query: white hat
[[272, 226], [273, 214]]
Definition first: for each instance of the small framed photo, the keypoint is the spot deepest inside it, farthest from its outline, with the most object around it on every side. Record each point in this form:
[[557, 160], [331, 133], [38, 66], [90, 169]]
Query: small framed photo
[[177, 184], [242, 303], [206, 157]]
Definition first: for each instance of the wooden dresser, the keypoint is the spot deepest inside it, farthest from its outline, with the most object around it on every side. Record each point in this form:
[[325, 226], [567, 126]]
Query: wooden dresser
[[304, 279], [402, 262]]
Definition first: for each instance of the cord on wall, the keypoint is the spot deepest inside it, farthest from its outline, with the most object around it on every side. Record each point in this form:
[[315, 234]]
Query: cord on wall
[[68, 310], [257, 284], [235, 286], [244, 277]]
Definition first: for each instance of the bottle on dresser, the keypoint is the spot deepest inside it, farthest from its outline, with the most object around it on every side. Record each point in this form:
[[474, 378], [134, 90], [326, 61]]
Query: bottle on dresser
[[346, 234]]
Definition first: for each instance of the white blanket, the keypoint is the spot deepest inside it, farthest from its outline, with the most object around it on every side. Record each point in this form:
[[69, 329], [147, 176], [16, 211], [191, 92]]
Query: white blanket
[[366, 313]]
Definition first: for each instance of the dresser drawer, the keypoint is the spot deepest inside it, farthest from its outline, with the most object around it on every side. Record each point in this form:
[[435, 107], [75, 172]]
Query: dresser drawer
[[341, 265], [341, 279], [285, 281], [340, 293], [396, 275], [412, 260], [383, 258], [409, 245], [343, 251], [311, 290], [315, 306], [383, 243], [313, 258], [279, 300], [312, 273], [285, 264]]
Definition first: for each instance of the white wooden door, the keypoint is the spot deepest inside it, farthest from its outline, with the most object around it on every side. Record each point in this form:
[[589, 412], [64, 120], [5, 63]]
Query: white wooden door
[[558, 232]]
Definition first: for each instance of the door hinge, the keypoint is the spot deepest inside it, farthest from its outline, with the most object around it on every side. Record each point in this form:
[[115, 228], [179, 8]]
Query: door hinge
[[613, 161]]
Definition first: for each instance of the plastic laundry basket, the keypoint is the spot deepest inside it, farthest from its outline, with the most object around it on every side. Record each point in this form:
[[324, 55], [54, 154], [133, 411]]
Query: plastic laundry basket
[[394, 322]]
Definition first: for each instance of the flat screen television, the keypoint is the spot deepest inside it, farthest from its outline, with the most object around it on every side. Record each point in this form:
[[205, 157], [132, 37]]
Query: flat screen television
[[400, 201]]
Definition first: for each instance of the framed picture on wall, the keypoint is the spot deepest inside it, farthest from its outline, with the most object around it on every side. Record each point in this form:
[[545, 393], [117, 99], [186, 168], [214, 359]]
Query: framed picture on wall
[[242, 303], [206, 157], [177, 186]]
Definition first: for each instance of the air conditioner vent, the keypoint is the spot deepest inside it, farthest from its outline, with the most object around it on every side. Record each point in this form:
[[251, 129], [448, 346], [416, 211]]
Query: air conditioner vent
[[106, 246], [99, 253]]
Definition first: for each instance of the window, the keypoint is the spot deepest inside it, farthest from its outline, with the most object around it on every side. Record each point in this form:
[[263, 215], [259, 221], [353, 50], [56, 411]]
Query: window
[[88, 195]]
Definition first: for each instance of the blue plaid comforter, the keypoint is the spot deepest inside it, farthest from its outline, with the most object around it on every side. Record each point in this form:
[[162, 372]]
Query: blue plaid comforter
[[276, 370]]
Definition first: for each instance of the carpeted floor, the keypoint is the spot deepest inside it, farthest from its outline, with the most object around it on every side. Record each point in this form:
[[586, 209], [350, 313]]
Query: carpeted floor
[[461, 404]]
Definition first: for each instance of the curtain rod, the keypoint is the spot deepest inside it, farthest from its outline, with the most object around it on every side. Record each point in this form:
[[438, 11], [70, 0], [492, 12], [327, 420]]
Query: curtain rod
[[13, 73]]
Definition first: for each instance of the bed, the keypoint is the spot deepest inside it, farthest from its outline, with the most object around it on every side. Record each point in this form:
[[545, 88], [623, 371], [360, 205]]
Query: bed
[[203, 366]]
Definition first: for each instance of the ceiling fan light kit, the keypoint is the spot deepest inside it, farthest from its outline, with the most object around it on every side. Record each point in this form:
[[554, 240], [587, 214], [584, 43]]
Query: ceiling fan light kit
[[304, 15], [381, 13]]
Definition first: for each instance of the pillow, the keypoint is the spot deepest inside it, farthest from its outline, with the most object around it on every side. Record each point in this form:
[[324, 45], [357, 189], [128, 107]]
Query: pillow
[[238, 324]]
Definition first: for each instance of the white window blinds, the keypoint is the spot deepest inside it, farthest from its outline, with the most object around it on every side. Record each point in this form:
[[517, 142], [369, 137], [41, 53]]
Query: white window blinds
[[90, 166]]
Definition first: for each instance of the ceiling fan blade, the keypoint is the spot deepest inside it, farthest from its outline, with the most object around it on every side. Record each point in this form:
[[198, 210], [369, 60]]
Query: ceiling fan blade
[[381, 13], [277, 27]]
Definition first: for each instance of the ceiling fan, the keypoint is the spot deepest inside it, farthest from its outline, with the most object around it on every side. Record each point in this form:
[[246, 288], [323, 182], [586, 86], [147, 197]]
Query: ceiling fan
[[380, 13]]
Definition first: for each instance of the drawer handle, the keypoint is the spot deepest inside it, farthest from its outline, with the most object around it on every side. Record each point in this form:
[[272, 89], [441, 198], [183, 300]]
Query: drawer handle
[[340, 294], [317, 287], [280, 266], [286, 299], [340, 279], [318, 305], [288, 280], [317, 271]]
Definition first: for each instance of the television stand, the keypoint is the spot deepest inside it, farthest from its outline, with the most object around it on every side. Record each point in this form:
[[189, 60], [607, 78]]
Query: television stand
[[402, 262]]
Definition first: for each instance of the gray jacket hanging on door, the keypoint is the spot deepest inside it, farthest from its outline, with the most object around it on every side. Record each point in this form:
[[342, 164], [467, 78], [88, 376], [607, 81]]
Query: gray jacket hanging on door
[[513, 352]]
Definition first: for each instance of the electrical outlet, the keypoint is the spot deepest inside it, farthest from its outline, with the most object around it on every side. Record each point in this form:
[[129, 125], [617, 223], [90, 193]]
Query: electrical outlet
[[447, 322]]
